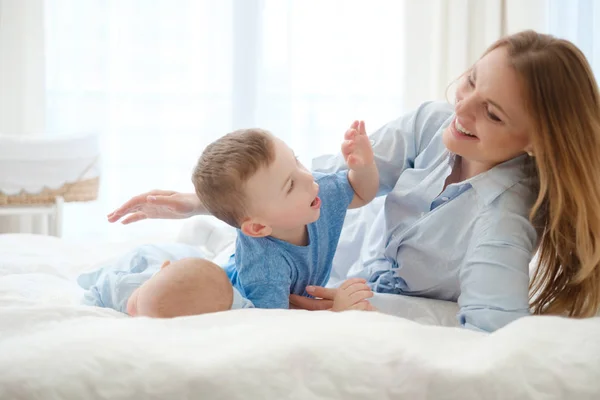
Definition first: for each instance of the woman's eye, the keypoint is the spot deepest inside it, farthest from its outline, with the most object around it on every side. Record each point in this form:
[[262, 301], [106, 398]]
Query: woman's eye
[[493, 116]]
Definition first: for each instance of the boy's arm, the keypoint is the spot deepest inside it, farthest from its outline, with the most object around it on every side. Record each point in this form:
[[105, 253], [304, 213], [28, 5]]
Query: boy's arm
[[363, 174]]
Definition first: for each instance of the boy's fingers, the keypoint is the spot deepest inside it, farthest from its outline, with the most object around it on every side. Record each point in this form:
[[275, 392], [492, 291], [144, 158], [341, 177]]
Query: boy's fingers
[[350, 134], [347, 146], [363, 130]]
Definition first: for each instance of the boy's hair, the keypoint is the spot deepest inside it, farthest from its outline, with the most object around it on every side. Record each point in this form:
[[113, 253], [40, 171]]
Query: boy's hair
[[224, 168]]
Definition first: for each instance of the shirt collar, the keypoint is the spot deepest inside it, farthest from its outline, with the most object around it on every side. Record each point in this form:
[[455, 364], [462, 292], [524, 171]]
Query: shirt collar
[[492, 183]]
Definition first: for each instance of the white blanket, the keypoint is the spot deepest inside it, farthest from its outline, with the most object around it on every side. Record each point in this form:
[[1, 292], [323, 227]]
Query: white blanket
[[53, 348]]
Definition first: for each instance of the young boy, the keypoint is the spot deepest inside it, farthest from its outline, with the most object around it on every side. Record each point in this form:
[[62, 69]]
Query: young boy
[[162, 282], [288, 219]]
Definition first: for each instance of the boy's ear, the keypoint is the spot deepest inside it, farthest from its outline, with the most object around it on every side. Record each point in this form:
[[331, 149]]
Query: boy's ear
[[165, 264], [253, 228]]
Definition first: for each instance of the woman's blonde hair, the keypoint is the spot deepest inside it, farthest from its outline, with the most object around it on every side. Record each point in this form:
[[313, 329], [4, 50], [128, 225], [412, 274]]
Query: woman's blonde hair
[[563, 99]]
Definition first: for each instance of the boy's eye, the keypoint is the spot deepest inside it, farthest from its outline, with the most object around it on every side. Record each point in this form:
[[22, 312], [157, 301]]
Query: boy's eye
[[291, 186], [470, 81]]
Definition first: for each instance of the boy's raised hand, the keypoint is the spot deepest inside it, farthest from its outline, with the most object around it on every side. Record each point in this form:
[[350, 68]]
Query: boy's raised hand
[[356, 147]]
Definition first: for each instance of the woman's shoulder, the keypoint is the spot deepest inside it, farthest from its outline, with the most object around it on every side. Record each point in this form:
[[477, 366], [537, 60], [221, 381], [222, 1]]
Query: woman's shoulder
[[428, 116], [506, 218], [441, 109], [428, 120], [433, 114]]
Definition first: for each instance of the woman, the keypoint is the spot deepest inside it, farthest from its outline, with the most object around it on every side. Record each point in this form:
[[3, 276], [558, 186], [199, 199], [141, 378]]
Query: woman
[[475, 189]]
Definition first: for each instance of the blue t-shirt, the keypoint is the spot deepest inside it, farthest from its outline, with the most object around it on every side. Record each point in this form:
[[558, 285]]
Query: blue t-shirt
[[111, 285], [267, 270]]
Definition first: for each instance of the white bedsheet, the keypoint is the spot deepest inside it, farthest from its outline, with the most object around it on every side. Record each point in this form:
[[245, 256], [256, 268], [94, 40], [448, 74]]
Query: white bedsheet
[[53, 348]]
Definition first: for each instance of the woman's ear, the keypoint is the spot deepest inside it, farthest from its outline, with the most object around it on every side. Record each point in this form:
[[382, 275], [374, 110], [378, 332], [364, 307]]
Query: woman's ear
[[529, 151], [253, 228]]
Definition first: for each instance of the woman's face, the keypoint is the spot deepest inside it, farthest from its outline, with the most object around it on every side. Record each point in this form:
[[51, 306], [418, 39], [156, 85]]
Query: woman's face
[[491, 124]]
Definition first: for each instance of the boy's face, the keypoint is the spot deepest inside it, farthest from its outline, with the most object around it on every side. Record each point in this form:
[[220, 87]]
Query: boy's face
[[283, 196]]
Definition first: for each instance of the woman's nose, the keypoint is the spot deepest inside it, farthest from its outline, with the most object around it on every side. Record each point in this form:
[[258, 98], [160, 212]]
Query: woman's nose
[[465, 105]]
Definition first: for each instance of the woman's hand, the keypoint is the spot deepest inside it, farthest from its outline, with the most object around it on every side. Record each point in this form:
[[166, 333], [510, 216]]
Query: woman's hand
[[324, 301], [163, 204], [325, 296], [353, 295]]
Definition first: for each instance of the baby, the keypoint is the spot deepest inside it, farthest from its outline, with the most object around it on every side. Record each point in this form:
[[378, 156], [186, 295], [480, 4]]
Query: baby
[[162, 282], [288, 219]]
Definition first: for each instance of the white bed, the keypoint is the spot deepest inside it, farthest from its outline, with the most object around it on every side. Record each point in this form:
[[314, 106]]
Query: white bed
[[53, 348]]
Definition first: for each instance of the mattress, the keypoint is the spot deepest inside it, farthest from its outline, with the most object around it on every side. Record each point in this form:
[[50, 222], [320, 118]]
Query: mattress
[[51, 347]]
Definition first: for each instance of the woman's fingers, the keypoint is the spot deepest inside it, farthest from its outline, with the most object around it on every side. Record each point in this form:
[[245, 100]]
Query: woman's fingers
[[135, 203], [136, 216], [360, 295], [349, 282], [356, 286], [361, 306], [163, 200], [319, 291], [306, 303]]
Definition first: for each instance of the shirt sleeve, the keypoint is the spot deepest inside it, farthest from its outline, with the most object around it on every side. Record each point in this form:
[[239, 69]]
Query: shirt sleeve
[[265, 278], [396, 144], [268, 294], [336, 187], [494, 281]]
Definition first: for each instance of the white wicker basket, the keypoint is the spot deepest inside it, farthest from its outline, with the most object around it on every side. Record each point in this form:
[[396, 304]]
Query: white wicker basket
[[38, 169], [39, 173]]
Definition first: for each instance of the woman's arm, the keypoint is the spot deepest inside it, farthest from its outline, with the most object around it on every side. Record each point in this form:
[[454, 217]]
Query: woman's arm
[[397, 144], [494, 280], [163, 204]]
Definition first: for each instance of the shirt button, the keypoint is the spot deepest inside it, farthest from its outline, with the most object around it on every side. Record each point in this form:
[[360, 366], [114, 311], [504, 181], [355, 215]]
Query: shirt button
[[445, 198]]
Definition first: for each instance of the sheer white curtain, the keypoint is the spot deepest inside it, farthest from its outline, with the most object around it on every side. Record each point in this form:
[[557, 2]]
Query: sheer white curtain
[[160, 79], [579, 22], [22, 106]]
